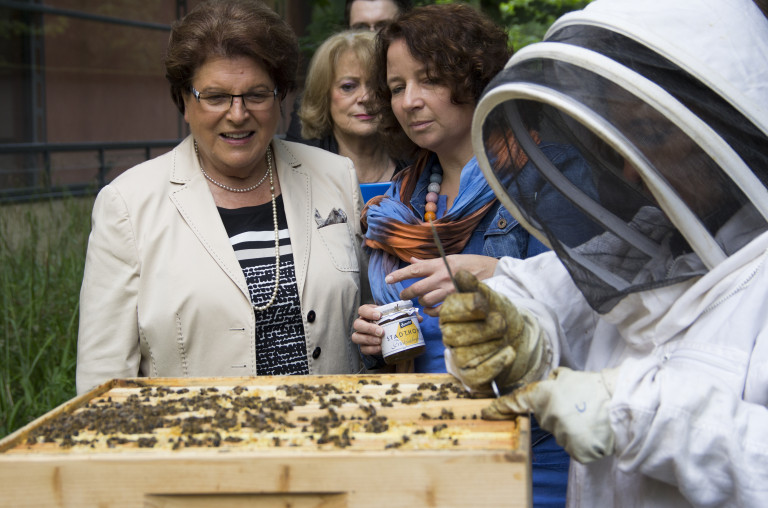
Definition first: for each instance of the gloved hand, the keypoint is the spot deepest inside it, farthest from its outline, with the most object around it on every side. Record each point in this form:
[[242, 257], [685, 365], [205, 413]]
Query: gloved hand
[[487, 338], [572, 405]]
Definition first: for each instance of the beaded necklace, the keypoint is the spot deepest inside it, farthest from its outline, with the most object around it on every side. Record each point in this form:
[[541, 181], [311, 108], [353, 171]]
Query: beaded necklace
[[274, 219], [433, 193]]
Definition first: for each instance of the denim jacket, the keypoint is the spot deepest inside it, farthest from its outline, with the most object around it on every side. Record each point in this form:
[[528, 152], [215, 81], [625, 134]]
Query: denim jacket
[[500, 234]]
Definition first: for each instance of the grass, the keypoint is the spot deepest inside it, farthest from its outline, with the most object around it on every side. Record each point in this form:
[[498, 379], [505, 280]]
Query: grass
[[42, 253]]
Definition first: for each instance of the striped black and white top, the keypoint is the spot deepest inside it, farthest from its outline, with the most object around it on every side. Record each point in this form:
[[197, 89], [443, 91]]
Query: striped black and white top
[[280, 343]]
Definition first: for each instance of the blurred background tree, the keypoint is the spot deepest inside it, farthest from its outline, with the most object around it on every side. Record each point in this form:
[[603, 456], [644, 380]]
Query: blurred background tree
[[526, 21]]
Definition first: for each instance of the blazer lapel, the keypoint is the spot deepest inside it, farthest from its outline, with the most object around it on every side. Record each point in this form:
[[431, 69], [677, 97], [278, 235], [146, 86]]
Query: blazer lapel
[[194, 202], [298, 206]]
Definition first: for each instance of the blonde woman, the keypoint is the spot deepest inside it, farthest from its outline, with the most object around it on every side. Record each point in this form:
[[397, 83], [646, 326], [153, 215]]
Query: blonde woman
[[333, 112]]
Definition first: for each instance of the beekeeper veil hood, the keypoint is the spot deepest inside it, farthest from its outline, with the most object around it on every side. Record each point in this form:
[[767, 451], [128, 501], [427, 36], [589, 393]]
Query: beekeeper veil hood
[[666, 104]]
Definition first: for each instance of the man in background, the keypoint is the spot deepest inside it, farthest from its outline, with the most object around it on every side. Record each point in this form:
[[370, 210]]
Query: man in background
[[373, 14]]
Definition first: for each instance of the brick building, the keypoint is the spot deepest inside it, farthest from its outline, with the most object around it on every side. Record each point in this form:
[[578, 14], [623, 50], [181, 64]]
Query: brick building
[[82, 90]]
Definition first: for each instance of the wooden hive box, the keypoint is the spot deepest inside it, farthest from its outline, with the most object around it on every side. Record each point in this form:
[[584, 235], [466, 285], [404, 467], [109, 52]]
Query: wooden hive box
[[302, 441]]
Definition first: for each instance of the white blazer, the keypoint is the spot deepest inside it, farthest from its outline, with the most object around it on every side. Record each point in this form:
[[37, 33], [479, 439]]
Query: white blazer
[[164, 295]]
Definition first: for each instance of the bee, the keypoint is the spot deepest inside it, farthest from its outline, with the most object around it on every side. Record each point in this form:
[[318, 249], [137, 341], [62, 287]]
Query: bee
[[438, 428], [446, 414], [377, 425], [147, 442], [427, 386]]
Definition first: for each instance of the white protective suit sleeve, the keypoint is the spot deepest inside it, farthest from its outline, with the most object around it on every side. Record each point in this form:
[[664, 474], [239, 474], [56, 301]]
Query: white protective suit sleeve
[[694, 413], [693, 433], [545, 279]]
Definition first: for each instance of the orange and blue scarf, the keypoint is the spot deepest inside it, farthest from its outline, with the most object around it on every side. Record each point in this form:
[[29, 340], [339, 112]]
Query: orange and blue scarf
[[395, 231]]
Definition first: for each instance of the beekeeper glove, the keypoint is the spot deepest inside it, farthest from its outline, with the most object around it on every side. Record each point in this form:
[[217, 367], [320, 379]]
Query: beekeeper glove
[[572, 405], [487, 338]]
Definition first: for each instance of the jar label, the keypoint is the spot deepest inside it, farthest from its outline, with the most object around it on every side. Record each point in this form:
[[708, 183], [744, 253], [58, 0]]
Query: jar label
[[408, 334], [400, 335]]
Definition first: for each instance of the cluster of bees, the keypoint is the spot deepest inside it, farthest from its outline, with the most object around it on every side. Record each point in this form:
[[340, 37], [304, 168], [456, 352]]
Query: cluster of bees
[[211, 417]]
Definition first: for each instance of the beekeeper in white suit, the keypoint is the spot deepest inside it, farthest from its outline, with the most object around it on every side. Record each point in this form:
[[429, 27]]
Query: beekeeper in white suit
[[645, 349]]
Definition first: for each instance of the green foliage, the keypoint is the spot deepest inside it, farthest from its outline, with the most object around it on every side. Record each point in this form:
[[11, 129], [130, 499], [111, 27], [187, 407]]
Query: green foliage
[[528, 20], [327, 19], [42, 254]]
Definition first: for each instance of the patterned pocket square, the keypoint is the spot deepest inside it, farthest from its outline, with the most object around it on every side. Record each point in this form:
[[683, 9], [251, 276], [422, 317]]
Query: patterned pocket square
[[336, 216]]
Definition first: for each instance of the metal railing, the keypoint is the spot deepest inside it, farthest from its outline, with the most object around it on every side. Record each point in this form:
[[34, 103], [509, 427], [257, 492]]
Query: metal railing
[[45, 9], [31, 178], [44, 189]]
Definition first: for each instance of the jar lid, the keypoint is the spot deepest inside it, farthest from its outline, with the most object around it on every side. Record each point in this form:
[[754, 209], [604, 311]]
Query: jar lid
[[395, 307]]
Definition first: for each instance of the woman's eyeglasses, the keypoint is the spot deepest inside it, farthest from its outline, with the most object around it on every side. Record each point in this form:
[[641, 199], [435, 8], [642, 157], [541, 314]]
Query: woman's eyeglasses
[[220, 101]]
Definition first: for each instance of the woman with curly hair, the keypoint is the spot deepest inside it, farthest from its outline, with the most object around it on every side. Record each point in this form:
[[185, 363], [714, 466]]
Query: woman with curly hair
[[432, 65], [425, 85]]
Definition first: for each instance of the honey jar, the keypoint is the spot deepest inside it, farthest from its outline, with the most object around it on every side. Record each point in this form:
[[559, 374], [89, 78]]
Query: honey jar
[[402, 334]]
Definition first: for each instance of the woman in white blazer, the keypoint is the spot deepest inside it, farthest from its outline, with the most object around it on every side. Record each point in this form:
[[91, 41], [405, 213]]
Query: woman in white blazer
[[235, 254]]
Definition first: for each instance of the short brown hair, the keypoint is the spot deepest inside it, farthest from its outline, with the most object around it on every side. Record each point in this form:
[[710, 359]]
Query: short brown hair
[[461, 48], [231, 28], [315, 111]]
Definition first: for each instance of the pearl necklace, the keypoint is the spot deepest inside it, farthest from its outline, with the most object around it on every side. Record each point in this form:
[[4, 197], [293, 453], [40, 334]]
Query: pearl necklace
[[433, 194], [277, 235], [274, 220], [227, 187]]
